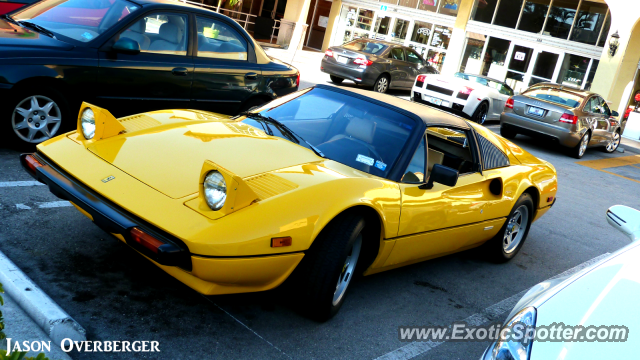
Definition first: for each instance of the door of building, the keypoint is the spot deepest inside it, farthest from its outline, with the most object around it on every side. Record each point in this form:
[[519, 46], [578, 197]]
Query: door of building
[[529, 64], [317, 19]]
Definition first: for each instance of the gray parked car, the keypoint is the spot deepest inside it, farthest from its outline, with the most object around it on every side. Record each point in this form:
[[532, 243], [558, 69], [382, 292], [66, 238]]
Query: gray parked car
[[576, 118], [376, 63]]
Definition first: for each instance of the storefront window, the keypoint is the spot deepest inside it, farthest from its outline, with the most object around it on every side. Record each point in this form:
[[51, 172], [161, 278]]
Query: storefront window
[[545, 65], [493, 63], [508, 13], [408, 3], [483, 10], [436, 59], [421, 32], [533, 15], [592, 74], [359, 34], [348, 16], [589, 22], [428, 5], [365, 19], [471, 58], [399, 32], [605, 31], [441, 37], [382, 27], [561, 18], [573, 70], [450, 7]]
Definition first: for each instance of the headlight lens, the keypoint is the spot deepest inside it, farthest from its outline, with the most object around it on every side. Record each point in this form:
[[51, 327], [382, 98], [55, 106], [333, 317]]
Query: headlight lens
[[215, 190], [88, 123], [518, 345]]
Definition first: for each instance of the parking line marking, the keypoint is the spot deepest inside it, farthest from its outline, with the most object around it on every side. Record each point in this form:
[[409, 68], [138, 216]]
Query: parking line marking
[[19, 183], [418, 348], [22, 207], [53, 204]]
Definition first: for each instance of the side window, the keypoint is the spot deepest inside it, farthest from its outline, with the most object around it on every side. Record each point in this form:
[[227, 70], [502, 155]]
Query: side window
[[160, 33], [604, 107], [397, 54], [218, 40], [413, 57], [416, 170], [592, 105], [449, 147]]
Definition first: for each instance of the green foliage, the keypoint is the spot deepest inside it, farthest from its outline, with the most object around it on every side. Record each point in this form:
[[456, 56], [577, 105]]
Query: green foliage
[[20, 356]]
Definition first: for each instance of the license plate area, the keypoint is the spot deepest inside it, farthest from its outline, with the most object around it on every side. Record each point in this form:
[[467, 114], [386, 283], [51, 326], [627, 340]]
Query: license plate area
[[432, 100], [535, 111], [342, 59]]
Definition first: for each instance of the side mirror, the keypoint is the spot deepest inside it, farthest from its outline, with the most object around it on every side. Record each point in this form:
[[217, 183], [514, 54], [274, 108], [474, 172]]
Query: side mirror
[[614, 113], [626, 220], [442, 175], [126, 46]]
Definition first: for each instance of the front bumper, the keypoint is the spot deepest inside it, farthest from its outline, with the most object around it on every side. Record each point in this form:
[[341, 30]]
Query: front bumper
[[206, 274], [366, 76], [566, 137]]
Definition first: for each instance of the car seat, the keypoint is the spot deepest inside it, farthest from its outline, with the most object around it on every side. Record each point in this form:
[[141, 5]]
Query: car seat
[[136, 32], [171, 37]]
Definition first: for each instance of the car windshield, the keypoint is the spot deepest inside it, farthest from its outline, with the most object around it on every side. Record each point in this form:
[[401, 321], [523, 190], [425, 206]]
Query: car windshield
[[346, 129], [79, 20], [556, 96], [365, 46]]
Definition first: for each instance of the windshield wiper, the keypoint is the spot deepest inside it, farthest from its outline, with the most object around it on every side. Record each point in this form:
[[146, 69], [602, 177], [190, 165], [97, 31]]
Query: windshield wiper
[[38, 28], [284, 129], [10, 19]]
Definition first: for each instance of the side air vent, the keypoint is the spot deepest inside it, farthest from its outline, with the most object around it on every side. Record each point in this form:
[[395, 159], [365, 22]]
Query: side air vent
[[269, 185], [492, 157], [138, 122]]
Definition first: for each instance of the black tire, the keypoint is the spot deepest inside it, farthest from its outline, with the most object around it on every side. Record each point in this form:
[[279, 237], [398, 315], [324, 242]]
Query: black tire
[[254, 102], [495, 248], [577, 151], [480, 115], [316, 278], [61, 110], [382, 84], [507, 132], [336, 80]]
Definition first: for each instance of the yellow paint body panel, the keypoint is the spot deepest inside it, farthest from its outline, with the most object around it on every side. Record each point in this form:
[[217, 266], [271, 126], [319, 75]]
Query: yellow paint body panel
[[281, 189]]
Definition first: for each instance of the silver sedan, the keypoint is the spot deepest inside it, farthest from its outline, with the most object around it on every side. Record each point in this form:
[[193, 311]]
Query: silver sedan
[[575, 118]]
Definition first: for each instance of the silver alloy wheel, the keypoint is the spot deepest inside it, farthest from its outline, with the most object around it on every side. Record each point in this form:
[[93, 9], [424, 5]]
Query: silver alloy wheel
[[614, 143], [583, 144], [36, 119], [347, 270], [382, 84], [516, 227]]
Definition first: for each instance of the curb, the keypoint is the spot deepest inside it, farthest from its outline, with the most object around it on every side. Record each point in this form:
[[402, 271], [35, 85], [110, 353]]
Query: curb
[[54, 321]]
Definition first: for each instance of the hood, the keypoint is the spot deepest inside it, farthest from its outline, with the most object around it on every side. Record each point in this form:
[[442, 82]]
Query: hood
[[607, 295], [166, 149], [15, 37]]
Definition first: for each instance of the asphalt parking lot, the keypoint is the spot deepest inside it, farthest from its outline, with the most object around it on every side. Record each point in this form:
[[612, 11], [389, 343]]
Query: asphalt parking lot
[[117, 295]]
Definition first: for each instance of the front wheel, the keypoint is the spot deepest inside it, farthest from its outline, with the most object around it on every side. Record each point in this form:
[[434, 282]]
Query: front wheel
[[613, 143], [480, 115], [336, 80], [509, 240], [579, 150], [323, 276], [382, 84]]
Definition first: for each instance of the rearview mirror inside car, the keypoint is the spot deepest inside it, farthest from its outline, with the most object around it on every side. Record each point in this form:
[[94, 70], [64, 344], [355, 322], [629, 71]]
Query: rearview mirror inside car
[[126, 46], [442, 175]]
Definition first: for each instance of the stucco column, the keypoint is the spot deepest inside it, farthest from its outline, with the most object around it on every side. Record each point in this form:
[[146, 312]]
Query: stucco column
[[332, 26], [456, 43], [296, 12]]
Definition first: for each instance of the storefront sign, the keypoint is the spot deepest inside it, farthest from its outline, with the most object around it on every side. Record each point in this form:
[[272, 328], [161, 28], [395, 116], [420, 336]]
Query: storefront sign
[[383, 7], [520, 56], [323, 21]]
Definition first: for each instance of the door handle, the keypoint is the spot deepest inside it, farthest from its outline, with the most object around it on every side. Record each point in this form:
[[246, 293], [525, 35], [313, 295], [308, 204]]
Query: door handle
[[180, 72], [251, 76]]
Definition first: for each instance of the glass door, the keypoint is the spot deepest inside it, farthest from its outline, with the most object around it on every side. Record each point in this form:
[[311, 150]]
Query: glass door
[[517, 73], [546, 66]]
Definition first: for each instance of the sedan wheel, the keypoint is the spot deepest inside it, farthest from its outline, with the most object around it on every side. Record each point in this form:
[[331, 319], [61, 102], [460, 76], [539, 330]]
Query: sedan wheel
[[381, 85], [613, 143], [581, 148], [36, 119]]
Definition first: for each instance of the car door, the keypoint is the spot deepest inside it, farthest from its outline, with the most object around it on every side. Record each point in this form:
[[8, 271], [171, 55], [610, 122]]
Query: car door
[[399, 68], [225, 75], [603, 126], [593, 113], [500, 93], [159, 76], [441, 220]]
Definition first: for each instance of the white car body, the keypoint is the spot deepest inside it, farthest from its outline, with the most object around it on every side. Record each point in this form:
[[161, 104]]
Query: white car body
[[603, 294], [448, 91]]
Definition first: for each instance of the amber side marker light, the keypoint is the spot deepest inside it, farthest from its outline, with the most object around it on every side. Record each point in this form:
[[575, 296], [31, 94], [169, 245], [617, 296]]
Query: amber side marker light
[[32, 163], [146, 240], [281, 241]]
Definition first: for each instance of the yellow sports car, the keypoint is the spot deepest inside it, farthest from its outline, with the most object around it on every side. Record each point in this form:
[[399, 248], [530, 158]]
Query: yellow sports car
[[316, 186]]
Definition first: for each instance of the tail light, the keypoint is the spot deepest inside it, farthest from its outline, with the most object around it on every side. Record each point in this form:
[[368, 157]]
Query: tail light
[[465, 90], [568, 118], [298, 80], [32, 163], [509, 103], [421, 78], [362, 61], [328, 53], [146, 240]]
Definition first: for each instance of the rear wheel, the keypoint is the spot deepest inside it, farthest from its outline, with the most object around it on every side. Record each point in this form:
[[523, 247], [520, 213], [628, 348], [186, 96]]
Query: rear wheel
[[336, 80], [509, 240], [480, 115], [325, 273], [382, 84], [613, 143], [507, 132], [579, 150]]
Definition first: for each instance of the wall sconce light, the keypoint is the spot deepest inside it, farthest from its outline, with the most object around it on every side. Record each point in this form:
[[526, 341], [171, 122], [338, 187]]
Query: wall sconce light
[[613, 43]]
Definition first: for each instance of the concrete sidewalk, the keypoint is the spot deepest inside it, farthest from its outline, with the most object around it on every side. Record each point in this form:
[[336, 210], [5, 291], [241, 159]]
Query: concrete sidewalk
[[20, 327]]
